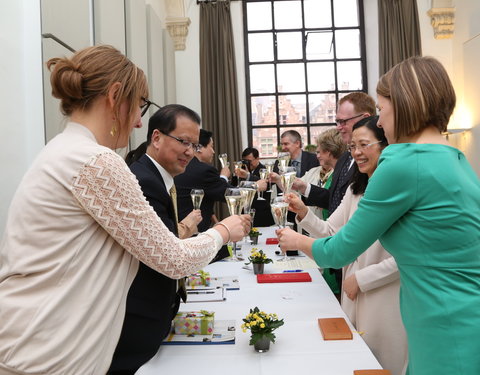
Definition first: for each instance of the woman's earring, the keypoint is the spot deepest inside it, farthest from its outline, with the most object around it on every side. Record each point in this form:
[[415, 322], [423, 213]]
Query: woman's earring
[[113, 130]]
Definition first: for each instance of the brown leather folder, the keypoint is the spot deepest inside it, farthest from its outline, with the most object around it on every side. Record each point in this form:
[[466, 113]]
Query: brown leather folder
[[371, 372], [335, 329]]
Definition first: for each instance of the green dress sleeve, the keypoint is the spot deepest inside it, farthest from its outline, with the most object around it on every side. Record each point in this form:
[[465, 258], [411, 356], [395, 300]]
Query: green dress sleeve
[[390, 193]]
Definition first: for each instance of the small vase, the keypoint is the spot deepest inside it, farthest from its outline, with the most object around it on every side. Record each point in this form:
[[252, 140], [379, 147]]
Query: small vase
[[254, 240], [258, 268], [262, 345]]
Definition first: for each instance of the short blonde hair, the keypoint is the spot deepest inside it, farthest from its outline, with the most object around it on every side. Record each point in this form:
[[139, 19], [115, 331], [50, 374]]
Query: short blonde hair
[[421, 95], [331, 141], [79, 80]]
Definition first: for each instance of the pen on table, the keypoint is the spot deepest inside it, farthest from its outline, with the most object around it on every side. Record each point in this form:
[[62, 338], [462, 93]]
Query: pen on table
[[200, 292], [292, 270]]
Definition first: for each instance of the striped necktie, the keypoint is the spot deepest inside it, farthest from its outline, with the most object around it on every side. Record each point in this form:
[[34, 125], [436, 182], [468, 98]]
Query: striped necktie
[[342, 179]]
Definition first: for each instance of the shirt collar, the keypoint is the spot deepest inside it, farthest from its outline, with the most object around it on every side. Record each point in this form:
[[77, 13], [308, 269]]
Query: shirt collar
[[167, 177]]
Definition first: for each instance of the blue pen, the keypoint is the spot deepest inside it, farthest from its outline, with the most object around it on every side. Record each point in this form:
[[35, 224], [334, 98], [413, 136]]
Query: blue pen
[[292, 270]]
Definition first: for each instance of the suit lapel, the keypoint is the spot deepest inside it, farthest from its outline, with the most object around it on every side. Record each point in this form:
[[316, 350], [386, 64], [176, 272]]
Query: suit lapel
[[145, 160]]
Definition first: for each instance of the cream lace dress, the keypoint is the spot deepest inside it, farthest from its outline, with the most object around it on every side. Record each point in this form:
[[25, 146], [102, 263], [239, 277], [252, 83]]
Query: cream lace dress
[[77, 226]]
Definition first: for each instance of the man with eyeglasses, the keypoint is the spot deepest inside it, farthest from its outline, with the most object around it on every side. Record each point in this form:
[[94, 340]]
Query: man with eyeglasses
[[153, 299], [351, 108]]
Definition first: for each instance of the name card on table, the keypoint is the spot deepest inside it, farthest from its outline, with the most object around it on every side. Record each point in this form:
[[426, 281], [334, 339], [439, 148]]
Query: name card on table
[[287, 277], [335, 329], [371, 372]]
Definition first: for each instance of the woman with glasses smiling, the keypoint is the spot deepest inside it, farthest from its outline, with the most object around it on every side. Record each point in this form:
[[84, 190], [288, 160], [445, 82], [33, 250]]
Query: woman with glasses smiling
[[79, 224], [370, 283], [423, 204]]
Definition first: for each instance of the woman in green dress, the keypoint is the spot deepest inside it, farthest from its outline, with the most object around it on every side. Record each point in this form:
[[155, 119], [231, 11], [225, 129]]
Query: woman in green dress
[[423, 203]]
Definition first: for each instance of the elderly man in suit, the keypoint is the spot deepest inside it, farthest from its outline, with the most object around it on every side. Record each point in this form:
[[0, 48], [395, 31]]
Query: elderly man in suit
[[303, 161], [153, 298]]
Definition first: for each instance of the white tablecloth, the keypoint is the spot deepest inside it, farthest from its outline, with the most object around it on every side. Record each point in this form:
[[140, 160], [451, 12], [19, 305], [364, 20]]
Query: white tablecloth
[[299, 347]]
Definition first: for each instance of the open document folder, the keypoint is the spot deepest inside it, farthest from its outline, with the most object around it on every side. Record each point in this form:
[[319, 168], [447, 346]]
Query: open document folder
[[223, 333]]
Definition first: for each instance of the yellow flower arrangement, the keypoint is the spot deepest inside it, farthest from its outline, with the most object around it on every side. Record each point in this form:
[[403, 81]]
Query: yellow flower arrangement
[[261, 325], [258, 257], [254, 232]]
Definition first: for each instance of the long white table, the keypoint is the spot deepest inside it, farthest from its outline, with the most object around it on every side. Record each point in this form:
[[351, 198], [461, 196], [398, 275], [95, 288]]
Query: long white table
[[299, 347]]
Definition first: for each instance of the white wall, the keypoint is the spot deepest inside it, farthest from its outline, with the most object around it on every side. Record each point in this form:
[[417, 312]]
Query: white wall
[[466, 77], [22, 90], [441, 49], [187, 62], [21, 94], [371, 41]]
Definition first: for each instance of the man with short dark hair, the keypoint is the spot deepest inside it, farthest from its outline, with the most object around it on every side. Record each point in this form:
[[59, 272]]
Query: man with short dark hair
[[201, 174], [263, 215], [153, 299]]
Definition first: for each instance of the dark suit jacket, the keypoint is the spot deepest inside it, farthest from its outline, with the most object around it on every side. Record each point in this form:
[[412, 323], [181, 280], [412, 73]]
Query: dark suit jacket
[[308, 162], [152, 300], [322, 197], [263, 215], [199, 175]]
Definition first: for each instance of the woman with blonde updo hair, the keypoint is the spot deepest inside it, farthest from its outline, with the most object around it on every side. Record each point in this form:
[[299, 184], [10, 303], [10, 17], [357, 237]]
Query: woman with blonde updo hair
[[79, 224]]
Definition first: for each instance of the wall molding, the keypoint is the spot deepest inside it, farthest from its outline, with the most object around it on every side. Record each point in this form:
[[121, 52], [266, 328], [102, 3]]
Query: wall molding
[[443, 22], [178, 29]]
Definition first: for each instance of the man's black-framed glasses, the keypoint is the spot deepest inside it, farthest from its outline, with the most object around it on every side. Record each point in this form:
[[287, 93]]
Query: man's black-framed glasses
[[342, 122], [146, 105], [195, 146]]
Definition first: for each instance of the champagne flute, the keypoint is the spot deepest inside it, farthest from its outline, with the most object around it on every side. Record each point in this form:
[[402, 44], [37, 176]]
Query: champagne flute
[[223, 160], [197, 196], [269, 166], [283, 159], [288, 175], [263, 176], [279, 209], [248, 188], [235, 202]]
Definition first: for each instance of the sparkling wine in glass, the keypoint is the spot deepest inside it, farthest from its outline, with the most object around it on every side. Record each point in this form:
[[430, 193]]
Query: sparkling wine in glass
[[263, 176], [283, 159], [288, 176], [279, 209], [197, 196], [248, 188], [223, 160], [269, 166], [235, 202]]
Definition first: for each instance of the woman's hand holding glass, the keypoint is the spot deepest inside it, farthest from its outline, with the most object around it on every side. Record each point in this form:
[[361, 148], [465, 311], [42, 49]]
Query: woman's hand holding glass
[[288, 239], [238, 227], [295, 204], [299, 185]]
